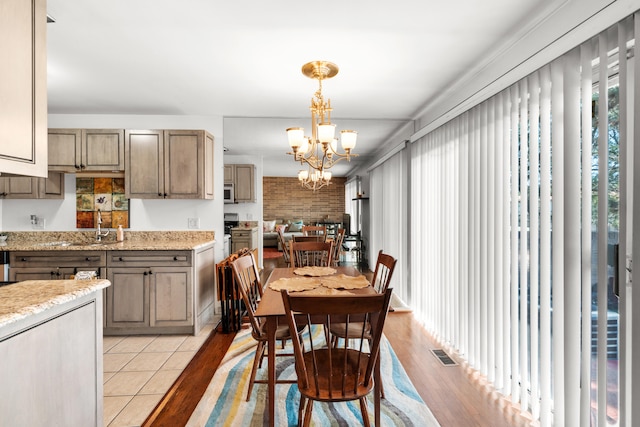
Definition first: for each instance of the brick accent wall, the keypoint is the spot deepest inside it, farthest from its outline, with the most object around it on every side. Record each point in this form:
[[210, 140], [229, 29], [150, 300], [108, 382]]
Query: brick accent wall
[[284, 198]]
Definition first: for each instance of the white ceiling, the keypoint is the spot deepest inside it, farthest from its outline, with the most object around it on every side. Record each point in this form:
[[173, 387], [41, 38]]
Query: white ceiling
[[241, 60]]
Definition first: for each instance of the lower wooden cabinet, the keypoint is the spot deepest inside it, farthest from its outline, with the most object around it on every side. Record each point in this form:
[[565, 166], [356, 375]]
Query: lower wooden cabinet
[[159, 291], [244, 238], [143, 297], [151, 292]]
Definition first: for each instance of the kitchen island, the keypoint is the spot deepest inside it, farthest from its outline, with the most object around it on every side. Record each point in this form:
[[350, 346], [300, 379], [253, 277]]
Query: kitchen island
[[51, 353]]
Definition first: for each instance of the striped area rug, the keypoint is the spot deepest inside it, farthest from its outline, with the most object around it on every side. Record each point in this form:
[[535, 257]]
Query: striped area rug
[[224, 403]]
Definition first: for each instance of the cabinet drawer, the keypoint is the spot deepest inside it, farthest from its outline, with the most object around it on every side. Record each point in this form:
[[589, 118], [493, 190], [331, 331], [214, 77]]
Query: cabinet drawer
[[149, 259], [57, 259], [239, 234]]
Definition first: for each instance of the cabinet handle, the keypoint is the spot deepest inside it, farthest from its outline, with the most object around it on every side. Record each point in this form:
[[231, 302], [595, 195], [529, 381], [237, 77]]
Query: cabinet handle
[[87, 259], [82, 166], [159, 194], [23, 259], [165, 195], [145, 274], [175, 258], [150, 272], [120, 259], [77, 166]]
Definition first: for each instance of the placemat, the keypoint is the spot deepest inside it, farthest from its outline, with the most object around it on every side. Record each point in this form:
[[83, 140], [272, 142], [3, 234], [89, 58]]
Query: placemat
[[295, 284], [314, 271], [342, 281]]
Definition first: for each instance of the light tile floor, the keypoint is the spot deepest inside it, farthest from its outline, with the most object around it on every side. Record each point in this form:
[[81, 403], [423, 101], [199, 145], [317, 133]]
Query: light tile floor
[[138, 371]]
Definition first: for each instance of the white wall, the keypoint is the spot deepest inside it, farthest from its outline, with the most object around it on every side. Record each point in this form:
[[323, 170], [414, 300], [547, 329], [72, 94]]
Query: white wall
[[148, 215]]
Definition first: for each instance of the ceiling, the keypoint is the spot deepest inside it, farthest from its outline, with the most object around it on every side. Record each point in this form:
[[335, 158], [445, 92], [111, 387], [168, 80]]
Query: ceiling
[[241, 60]]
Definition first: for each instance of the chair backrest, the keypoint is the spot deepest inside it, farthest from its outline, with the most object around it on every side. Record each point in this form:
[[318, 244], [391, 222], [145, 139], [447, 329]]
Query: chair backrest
[[339, 373], [314, 230], [316, 238], [305, 254], [337, 245], [383, 272], [284, 245], [247, 277]]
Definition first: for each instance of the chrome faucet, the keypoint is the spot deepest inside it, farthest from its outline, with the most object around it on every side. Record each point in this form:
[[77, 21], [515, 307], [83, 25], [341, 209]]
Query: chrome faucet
[[100, 234]]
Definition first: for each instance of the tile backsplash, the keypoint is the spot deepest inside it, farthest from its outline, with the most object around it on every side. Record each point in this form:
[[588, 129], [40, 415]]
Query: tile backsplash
[[104, 194]]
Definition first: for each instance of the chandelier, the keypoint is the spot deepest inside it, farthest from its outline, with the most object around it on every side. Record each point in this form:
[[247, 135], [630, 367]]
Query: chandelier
[[319, 151]]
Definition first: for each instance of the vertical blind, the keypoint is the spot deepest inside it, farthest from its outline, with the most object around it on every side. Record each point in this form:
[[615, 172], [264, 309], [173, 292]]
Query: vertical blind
[[388, 199], [510, 225]]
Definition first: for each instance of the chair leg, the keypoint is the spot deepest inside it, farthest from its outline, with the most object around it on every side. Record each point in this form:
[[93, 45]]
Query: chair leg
[[256, 360], [365, 413], [308, 411], [301, 409]]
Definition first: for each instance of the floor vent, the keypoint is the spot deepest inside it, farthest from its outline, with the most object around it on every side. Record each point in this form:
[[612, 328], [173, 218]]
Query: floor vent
[[443, 357]]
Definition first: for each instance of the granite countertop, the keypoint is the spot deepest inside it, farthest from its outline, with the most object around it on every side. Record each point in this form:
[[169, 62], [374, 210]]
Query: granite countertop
[[24, 299], [84, 241]]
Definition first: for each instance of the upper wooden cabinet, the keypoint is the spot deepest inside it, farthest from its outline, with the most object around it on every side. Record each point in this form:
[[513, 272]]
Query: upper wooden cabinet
[[79, 150], [24, 187], [169, 164], [243, 179], [23, 87]]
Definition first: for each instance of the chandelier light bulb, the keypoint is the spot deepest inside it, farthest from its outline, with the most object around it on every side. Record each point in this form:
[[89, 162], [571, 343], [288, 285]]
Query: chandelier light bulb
[[326, 132], [296, 137], [348, 139], [303, 175]]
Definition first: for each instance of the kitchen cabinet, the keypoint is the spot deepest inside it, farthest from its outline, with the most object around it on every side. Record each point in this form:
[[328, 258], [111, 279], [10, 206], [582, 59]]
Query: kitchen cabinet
[[86, 150], [244, 238], [228, 174], [169, 164], [24, 187], [243, 179], [54, 265], [151, 292], [157, 291], [23, 87]]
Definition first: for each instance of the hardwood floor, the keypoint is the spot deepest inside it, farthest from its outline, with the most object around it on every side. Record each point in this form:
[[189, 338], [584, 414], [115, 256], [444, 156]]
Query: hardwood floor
[[456, 395]]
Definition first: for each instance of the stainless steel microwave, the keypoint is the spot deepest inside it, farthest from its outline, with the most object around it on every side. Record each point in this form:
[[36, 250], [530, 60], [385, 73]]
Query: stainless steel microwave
[[229, 196]]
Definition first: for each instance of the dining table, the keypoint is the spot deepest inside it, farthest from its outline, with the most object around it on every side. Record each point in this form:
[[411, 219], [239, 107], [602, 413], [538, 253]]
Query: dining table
[[271, 308]]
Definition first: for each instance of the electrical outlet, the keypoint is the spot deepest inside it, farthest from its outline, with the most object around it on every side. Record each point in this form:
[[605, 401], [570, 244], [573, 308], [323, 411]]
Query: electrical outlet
[[193, 223]]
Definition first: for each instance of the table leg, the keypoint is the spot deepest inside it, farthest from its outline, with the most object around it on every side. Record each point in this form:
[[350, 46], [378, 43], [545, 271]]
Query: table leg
[[271, 325]]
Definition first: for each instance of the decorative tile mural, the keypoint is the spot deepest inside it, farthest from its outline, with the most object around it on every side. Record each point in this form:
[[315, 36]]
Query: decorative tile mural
[[105, 194]]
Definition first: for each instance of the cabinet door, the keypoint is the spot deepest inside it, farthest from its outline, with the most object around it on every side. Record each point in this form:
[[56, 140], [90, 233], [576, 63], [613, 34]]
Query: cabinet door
[[171, 300], [144, 164], [208, 169], [128, 297], [65, 146], [244, 184], [102, 150], [52, 187], [23, 87], [229, 174], [20, 187], [184, 164]]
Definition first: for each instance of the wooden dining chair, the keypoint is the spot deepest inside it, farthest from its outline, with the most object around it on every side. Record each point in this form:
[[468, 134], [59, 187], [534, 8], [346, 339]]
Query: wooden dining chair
[[284, 244], [334, 374], [304, 254], [316, 238], [380, 282], [247, 277], [337, 246], [314, 230]]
